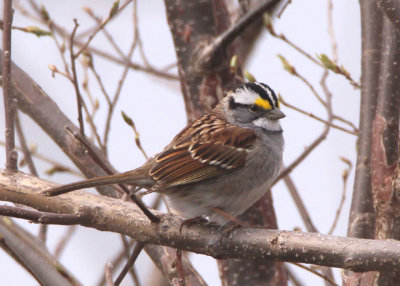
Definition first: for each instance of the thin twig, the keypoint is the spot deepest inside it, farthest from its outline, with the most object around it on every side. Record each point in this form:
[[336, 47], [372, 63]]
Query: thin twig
[[132, 270], [311, 87], [100, 82], [327, 271], [64, 240], [42, 233], [111, 57], [292, 70], [100, 27], [139, 38], [41, 217], [54, 70], [9, 104], [341, 119], [119, 258], [270, 28], [319, 139], [299, 204], [93, 102], [331, 31], [317, 118], [293, 278], [132, 65], [326, 278], [108, 273], [118, 92], [138, 143], [56, 165], [93, 127], [24, 147], [75, 79], [135, 253], [345, 176], [105, 32], [179, 267]]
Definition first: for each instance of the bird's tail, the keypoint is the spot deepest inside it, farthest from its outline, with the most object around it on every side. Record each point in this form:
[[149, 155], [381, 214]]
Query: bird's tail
[[132, 177]]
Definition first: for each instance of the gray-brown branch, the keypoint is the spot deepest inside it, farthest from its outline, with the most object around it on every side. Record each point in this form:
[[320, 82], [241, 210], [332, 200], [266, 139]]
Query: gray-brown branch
[[391, 8], [28, 251], [109, 214], [362, 214]]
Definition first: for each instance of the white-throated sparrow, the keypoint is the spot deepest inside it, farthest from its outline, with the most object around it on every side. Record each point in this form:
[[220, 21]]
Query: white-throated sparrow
[[225, 160]]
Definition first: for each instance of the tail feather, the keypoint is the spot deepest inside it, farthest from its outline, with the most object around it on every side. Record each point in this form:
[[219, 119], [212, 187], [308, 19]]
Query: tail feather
[[131, 177]]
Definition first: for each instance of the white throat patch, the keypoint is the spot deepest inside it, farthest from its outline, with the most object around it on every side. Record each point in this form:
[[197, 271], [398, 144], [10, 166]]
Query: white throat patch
[[271, 125]]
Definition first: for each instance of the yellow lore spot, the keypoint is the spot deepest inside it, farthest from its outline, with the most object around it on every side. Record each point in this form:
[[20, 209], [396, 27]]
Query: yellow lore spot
[[263, 103]]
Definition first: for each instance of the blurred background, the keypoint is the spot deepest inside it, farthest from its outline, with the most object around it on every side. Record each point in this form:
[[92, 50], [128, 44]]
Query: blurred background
[[156, 106]]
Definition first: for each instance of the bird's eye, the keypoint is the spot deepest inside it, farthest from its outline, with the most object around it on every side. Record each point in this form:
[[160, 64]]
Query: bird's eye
[[253, 108]]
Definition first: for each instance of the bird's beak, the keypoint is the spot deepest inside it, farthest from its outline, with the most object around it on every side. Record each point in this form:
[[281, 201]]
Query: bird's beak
[[275, 114]]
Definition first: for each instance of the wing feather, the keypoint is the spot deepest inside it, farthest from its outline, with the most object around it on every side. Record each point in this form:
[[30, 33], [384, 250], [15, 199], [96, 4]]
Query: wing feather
[[205, 149]]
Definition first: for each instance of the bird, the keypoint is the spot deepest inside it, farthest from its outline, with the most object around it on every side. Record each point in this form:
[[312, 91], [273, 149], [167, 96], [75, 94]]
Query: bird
[[221, 163]]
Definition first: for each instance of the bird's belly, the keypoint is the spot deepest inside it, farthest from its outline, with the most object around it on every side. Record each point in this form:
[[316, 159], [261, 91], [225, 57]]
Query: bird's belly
[[233, 194]]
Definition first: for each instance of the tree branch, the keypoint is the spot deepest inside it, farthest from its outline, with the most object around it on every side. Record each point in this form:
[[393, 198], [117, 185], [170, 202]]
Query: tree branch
[[9, 104], [249, 272], [41, 217], [391, 8], [109, 214], [211, 56], [385, 148], [167, 267], [32, 254], [75, 79], [362, 214], [193, 24]]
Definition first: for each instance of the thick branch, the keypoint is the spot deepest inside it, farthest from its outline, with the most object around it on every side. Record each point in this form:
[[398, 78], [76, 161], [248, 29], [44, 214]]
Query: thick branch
[[109, 214], [41, 217], [392, 10], [168, 268], [34, 256], [212, 55], [193, 25], [362, 215], [248, 272], [378, 154], [385, 148], [9, 104]]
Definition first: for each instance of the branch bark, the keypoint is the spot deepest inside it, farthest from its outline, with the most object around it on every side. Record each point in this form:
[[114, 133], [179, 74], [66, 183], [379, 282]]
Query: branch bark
[[248, 272], [260, 245], [362, 214], [9, 104], [33, 255], [376, 193], [385, 148], [391, 8]]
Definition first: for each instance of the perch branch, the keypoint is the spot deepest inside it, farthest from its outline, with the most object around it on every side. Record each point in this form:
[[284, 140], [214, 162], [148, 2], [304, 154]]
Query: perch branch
[[109, 214]]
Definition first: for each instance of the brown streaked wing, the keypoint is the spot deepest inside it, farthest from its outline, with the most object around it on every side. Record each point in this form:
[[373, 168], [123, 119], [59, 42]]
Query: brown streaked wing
[[201, 152]]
